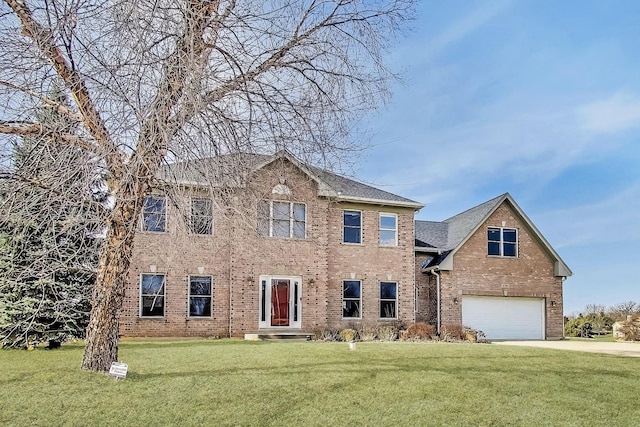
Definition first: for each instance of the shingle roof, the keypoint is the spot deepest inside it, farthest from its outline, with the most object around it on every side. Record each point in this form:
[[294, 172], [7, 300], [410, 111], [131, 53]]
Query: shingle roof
[[230, 170], [448, 236]]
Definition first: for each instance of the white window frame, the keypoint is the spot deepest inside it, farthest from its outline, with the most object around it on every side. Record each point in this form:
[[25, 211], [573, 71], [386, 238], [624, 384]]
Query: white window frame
[[502, 242], [210, 217], [164, 295], [394, 300], [394, 229], [164, 214], [200, 296], [292, 220], [359, 300], [344, 226]]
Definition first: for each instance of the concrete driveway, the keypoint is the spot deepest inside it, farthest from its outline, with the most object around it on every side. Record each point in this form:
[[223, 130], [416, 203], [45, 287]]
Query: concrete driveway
[[631, 349]]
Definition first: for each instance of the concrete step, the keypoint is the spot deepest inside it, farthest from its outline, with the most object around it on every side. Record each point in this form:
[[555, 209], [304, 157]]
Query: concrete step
[[269, 335]]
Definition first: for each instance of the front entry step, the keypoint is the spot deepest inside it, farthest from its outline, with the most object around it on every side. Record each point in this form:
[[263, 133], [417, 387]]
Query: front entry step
[[278, 336]]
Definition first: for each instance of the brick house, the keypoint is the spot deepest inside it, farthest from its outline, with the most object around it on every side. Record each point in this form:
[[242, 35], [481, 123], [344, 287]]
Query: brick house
[[272, 244], [491, 269]]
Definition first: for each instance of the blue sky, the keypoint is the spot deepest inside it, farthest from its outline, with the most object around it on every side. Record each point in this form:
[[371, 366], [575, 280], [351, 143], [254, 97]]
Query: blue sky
[[537, 98]]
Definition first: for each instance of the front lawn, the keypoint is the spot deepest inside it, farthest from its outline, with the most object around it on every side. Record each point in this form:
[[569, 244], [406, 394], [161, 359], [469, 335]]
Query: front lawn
[[233, 382]]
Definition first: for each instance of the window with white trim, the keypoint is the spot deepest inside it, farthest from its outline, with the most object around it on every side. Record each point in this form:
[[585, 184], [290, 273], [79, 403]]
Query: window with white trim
[[201, 216], [154, 213], [282, 219], [388, 227], [152, 288], [388, 300], [352, 227], [502, 242], [352, 299], [200, 296]]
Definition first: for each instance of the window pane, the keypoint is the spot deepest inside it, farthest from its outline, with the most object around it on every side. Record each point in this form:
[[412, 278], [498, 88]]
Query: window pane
[[299, 212], [509, 249], [152, 284], [351, 289], [200, 285], [387, 309], [200, 306], [152, 306], [351, 235], [298, 230], [280, 228], [494, 248], [509, 235], [493, 234], [280, 210], [388, 221], [351, 309], [154, 213], [388, 290], [387, 238], [352, 218], [201, 216]]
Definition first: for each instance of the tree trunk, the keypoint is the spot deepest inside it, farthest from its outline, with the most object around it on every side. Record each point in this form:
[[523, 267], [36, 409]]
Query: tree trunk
[[108, 294]]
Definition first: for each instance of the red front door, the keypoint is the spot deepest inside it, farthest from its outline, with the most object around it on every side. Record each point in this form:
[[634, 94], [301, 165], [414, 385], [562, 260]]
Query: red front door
[[280, 302]]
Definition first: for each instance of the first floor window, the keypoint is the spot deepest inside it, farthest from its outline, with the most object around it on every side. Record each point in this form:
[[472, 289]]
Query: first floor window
[[388, 300], [282, 219], [351, 298], [200, 296], [154, 213], [388, 229], [502, 242], [201, 216], [152, 295]]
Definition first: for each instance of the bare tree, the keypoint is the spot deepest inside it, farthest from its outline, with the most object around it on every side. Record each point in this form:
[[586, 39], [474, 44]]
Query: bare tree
[[622, 310], [169, 81]]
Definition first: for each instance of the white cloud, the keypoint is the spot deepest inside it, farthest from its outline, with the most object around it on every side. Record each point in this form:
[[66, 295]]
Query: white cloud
[[617, 113], [465, 26]]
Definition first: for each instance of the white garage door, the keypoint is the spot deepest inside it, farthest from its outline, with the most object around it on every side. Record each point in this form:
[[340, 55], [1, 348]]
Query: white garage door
[[505, 318]]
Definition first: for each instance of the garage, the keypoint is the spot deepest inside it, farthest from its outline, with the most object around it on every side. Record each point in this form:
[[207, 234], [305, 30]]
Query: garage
[[505, 318]]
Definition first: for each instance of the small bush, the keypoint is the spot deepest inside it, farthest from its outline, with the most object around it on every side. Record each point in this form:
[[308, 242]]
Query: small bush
[[368, 332], [420, 331], [327, 334], [387, 333], [452, 332], [474, 335], [348, 335]]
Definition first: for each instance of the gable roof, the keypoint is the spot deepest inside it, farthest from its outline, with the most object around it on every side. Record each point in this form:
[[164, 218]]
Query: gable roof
[[232, 170], [447, 237]]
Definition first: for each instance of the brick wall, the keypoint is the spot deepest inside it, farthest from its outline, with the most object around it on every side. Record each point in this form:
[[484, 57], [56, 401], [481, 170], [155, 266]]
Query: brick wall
[[531, 274], [236, 256]]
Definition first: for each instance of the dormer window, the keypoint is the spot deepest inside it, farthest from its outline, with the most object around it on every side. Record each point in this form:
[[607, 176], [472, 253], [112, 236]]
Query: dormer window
[[502, 242]]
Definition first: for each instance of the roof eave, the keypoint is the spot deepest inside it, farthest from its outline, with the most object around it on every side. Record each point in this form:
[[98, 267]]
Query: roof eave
[[413, 205]]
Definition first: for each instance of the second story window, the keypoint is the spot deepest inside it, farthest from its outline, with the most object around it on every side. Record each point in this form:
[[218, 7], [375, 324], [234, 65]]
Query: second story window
[[282, 219], [502, 242], [388, 229], [352, 227], [201, 216], [154, 213]]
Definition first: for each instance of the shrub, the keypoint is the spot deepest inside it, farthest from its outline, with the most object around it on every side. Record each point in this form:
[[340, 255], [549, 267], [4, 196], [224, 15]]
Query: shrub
[[452, 332], [474, 335], [367, 332], [327, 334], [387, 333], [420, 331], [348, 335]]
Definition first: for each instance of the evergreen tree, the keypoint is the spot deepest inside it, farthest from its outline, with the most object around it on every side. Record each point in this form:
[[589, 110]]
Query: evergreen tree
[[49, 236]]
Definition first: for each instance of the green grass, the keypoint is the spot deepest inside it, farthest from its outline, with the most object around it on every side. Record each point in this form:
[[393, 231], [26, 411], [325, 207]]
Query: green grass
[[232, 382]]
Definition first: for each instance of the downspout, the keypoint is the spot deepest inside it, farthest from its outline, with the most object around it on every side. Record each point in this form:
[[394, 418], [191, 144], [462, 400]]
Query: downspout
[[435, 273]]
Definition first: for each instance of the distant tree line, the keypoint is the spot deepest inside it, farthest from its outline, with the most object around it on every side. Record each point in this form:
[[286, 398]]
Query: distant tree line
[[597, 318]]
